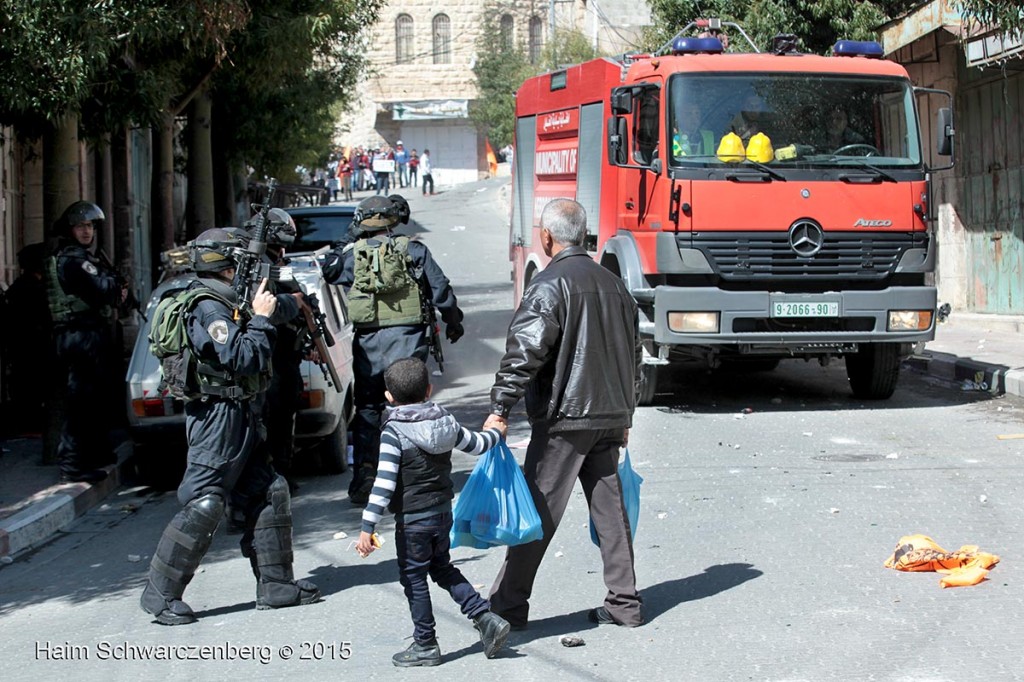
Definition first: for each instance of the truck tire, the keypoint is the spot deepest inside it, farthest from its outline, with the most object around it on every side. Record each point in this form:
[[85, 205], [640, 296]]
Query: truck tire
[[332, 451], [648, 383], [873, 370]]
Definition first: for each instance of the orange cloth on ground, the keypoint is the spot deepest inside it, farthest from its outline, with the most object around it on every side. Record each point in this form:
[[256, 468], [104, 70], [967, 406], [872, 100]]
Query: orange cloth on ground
[[966, 566]]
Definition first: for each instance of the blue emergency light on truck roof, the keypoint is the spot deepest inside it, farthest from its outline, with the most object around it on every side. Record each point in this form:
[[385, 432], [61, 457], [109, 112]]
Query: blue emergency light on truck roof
[[696, 46], [857, 48]]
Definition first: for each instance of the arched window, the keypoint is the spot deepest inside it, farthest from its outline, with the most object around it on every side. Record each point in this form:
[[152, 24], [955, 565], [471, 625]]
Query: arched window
[[442, 39], [403, 39], [536, 39], [506, 31]]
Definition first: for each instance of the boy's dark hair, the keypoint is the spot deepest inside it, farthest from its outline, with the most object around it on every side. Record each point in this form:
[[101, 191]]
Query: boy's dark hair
[[407, 380]]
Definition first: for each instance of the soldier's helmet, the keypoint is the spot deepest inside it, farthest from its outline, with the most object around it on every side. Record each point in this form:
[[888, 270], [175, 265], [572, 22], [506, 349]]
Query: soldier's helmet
[[78, 212], [376, 213], [402, 207], [215, 250], [281, 229]]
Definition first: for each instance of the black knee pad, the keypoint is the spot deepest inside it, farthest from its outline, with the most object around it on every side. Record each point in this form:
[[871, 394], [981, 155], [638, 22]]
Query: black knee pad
[[279, 496]]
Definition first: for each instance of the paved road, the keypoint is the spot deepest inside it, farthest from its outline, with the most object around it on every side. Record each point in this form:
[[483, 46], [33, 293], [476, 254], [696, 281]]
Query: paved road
[[770, 502]]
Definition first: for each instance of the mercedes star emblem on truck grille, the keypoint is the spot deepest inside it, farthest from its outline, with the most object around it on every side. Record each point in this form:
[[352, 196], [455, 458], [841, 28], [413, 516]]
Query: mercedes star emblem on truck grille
[[806, 238]]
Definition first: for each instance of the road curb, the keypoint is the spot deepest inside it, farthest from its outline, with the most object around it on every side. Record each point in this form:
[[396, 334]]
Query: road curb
[[52, 510], [970, 374]]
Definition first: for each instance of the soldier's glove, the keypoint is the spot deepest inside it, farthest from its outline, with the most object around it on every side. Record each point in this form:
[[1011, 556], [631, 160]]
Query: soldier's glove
[[454, 332]]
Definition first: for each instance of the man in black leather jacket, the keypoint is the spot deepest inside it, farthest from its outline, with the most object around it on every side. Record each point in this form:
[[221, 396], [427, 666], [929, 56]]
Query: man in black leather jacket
[[573, 349]]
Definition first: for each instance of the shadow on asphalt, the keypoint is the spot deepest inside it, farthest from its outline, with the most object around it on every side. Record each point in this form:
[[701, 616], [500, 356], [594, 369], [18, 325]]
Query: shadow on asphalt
[[658, 600], [334, 579], [663, 597]]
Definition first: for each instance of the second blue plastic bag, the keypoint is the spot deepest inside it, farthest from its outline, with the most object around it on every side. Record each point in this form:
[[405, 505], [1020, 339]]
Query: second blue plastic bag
[[631, 481], [495, 506]]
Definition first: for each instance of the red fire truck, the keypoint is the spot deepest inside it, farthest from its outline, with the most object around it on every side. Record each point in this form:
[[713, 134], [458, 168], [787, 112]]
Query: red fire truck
[[759, 206]]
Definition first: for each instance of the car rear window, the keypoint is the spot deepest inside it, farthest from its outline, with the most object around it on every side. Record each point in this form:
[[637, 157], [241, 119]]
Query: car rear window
[[316, 231]]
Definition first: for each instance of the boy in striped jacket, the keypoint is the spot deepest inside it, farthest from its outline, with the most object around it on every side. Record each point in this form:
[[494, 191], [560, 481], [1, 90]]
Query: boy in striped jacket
[[414, 482]]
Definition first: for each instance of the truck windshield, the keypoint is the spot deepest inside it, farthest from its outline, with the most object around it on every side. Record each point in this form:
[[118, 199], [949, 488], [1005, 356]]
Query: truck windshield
[[810, 120]]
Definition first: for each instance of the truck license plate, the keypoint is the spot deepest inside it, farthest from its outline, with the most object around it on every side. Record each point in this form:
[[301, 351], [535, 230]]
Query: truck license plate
[[805, 309]]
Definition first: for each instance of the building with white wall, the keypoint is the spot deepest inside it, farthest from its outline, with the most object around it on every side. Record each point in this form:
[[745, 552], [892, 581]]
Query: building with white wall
[[421, 83]]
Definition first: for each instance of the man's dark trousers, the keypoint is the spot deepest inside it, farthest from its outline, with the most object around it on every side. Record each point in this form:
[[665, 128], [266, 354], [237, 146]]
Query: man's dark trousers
[[553, 463]]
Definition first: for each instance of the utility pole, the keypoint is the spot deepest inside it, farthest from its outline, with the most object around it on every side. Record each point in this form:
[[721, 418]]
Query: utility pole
[[551, 31]]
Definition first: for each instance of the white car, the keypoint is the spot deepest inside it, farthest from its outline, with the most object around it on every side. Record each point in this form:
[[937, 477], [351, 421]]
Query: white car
[[321, 424]]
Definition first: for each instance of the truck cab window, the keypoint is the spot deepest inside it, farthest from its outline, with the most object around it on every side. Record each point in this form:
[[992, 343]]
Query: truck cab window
[[646, 111]]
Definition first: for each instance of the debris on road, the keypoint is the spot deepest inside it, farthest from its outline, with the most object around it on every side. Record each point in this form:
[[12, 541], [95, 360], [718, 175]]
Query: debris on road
[[571, 641], [966, 566]]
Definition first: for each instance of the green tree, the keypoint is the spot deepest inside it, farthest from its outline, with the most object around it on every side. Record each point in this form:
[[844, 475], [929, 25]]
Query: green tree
[[500, 69], [1005, 14], [817, 23], [502, 66]]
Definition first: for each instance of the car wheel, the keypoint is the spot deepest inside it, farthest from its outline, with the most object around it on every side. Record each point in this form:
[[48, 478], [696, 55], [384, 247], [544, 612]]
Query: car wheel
[[333, 451]]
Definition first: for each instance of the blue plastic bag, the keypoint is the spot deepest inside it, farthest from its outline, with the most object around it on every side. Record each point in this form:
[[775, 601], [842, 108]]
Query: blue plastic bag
[[631, 481], [495, 506]]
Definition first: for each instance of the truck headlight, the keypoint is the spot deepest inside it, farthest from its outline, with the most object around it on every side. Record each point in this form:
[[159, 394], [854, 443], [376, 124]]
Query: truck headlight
[[693, 323], [909, 320]]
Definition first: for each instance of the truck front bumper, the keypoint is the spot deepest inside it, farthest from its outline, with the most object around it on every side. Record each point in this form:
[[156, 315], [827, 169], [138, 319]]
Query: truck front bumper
[[745, 318]]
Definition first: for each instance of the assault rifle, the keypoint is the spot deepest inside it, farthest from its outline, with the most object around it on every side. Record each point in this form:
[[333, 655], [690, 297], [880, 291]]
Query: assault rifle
[[319, 334], [252, 269], [131, 301], [433, 327]]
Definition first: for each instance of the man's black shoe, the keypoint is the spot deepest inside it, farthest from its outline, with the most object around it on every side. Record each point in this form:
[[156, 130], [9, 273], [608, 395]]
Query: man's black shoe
[[493, 632], [601, 616], [417, 655], [514, 625]]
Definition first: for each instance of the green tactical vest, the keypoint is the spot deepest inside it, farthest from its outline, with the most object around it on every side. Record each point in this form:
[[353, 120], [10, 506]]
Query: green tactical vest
[[185, 375], [63, 306], [384, 293]]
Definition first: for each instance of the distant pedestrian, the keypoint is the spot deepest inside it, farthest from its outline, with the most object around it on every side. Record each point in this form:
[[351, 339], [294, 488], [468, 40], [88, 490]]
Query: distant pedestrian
[[402, 164], [414, 165], [427, 170], [345, 178], [573, 349], [414, 481]]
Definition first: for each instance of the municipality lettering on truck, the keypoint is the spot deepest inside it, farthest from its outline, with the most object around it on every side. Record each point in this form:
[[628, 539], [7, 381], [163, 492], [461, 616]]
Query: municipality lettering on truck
[[760, 206]]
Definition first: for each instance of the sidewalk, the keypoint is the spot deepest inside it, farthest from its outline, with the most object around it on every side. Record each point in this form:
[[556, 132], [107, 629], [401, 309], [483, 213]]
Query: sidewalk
[[977, 352]]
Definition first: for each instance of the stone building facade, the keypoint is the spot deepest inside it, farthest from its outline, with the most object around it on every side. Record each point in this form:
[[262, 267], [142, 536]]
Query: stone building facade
[[421, 84]]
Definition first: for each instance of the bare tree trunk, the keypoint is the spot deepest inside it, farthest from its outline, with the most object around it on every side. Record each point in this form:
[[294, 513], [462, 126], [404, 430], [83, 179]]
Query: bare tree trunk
[[163, 185], [61, 187], [200, 166], [61, 168]]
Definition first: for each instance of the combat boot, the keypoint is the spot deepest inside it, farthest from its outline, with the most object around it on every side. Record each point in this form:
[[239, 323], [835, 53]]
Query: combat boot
[[493, 632], [177, 556], [276, 586], [428, 654]]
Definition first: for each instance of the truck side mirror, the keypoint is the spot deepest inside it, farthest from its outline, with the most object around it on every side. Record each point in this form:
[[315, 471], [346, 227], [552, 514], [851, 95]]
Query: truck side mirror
[[621, 102], [617, 140], [944, 131]]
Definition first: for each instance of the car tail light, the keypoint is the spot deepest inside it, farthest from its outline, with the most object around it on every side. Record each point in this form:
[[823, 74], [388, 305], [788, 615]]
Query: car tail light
[[311, 399], [148, 407]]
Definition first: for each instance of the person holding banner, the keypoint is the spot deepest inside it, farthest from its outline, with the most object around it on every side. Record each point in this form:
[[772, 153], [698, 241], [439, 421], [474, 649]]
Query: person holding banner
[[383, 167], [573, 349]]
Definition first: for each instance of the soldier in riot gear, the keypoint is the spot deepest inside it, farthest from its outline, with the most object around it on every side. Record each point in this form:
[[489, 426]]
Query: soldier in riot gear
[[228, 376], [283, 394], [387, 317], [83, 293]]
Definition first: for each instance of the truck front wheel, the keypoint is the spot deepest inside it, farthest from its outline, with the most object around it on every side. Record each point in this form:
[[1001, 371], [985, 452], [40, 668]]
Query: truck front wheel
[[873, 370], [648, 383]]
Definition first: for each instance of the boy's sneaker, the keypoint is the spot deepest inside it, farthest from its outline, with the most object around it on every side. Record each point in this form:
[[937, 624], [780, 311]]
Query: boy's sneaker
[[493, 632], [417, 655]]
